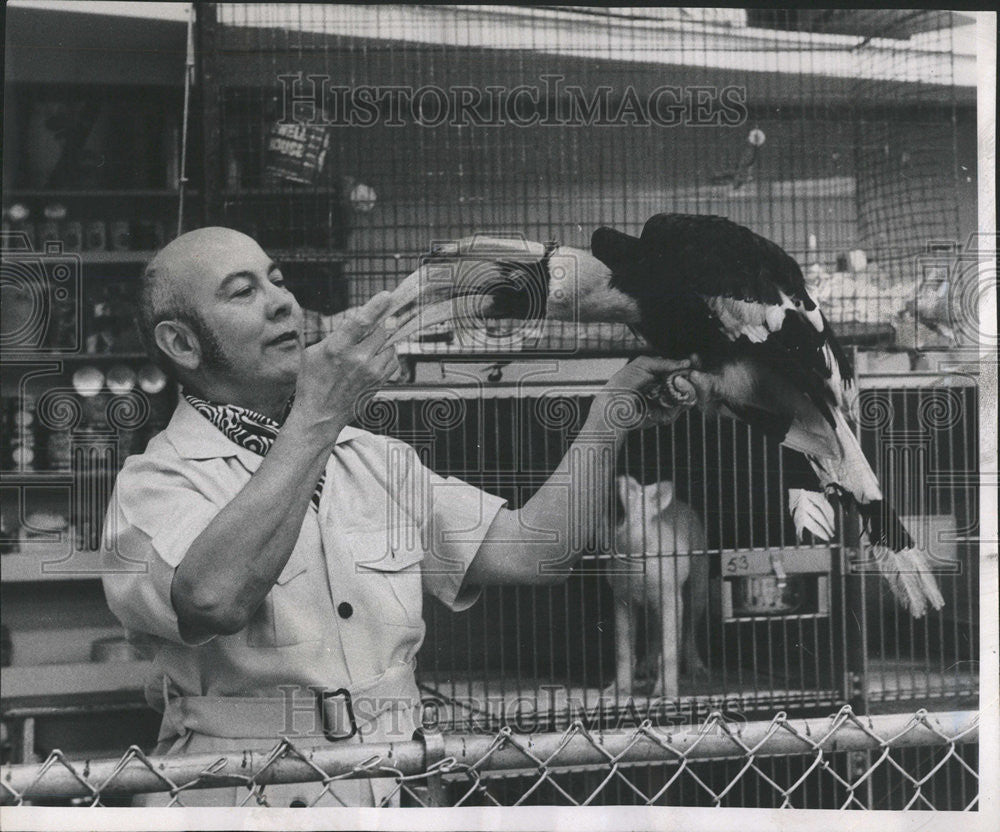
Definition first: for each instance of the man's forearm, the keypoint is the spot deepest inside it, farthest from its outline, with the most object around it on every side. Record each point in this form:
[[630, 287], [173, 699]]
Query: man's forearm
[[542, 541], [583, 478], [234, 562]]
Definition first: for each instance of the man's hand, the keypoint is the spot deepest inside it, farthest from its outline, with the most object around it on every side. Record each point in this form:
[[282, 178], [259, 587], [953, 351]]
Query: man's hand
[[345, 365], [632, 397]]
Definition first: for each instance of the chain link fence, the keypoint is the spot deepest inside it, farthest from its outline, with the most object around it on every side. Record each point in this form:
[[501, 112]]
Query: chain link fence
[[923, 761]]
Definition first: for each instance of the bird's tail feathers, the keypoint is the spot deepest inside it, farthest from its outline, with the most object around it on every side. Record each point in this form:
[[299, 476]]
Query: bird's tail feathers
[[909, 577], [905, 567]]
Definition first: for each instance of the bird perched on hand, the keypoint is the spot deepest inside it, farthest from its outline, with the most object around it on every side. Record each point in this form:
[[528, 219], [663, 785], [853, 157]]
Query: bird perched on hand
[[761, 351]]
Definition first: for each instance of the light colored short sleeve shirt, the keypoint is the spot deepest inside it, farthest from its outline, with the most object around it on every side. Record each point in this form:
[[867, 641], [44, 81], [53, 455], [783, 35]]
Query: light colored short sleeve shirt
[[347, 605]]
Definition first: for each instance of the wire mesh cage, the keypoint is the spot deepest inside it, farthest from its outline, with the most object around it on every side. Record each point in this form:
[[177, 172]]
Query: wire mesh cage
[[846, 137], [924, 442], [760, 619], [728, 555], [351, 140]]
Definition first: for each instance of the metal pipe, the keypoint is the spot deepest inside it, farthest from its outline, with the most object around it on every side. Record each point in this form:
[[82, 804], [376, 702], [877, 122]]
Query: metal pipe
[[716, 743], [506, 751], [188, 81], [216, 770]]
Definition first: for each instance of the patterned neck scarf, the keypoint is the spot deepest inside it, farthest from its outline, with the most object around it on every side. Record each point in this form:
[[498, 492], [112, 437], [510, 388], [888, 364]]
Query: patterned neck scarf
[[248, 429]]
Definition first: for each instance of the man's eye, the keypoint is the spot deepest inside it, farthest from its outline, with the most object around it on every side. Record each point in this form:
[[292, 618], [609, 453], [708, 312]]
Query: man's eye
[[244, 292]]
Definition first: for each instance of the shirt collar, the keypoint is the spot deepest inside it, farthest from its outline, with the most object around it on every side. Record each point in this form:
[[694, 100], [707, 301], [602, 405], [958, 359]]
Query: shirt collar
[[195, 437]]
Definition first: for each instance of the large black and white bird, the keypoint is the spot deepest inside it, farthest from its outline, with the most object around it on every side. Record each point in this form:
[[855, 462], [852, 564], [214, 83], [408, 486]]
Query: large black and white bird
[[736, 304]]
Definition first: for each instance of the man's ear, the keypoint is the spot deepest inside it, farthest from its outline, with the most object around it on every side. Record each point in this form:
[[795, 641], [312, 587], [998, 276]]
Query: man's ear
[[179, 344]]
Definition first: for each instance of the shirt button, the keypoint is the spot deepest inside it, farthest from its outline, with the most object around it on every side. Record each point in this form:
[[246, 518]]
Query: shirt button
[[345, 610]]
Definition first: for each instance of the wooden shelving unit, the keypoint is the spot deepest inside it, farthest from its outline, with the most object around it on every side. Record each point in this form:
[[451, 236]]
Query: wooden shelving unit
[[52, 696], [53, 600]]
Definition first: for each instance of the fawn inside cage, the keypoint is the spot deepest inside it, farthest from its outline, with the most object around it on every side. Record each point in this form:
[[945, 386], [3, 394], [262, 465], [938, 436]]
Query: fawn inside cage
[[703, 597]]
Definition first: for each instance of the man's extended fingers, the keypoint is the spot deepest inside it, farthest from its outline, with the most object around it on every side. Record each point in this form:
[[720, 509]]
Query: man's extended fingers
[[390, 364], [376, 338], [360, 320], [377, 306], [370, 313]]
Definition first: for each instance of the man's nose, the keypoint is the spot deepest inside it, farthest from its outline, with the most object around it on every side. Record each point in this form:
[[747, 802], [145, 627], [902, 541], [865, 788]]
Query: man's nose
[[280, 301]]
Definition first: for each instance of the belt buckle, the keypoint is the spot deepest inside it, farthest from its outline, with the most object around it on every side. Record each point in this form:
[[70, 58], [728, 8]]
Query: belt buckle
[[321, 701]]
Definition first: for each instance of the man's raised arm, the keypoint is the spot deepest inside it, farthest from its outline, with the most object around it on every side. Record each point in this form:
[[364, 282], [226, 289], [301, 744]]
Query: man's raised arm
[[573, 502]]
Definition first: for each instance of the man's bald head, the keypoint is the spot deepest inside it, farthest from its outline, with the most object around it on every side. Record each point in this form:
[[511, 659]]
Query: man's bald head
[[168, 287], [187, 257]]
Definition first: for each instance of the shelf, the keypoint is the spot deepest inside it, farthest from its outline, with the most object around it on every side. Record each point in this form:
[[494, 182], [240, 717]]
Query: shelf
[[913, 379], [52, 478], [302, 190], [114, 256], [97, 257], [36, 478], [776, 617], [318, 254], [32, 359], [21, 568], [133, 193], [25, 683]]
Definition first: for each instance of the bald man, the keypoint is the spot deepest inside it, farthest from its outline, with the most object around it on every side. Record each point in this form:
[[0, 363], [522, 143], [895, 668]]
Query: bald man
[[276, 557]]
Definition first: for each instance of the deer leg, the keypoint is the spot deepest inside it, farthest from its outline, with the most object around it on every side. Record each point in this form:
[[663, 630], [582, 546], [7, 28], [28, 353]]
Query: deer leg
[[667, 621], [697, 602], [624, 648]]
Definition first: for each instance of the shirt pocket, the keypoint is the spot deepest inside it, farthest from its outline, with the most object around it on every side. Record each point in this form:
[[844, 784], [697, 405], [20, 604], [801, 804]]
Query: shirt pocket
[[287, 615], [387, 573]]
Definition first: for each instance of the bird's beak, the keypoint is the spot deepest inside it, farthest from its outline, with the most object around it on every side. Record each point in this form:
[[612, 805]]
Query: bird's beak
[[427, 297], [471, 281]]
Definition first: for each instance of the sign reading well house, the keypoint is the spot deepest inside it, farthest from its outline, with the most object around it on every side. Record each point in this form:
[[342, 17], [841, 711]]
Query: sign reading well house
[[296, 152]]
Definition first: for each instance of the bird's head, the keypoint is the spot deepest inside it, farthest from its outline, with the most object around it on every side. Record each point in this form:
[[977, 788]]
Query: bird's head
[[606, 284], [581, 290], [642, 267], [478, 279]]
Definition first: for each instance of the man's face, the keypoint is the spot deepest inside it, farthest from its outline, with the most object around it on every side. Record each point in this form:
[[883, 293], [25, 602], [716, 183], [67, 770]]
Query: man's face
[[248, 324]]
